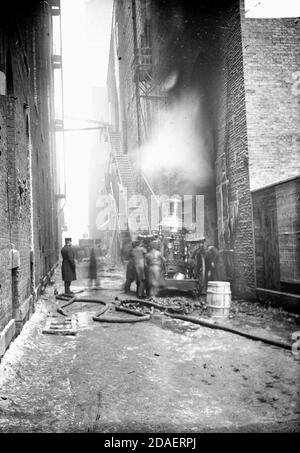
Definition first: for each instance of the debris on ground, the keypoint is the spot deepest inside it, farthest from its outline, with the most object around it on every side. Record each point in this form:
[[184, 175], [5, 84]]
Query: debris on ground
[[244, 316], [60, 326], [56, 387], [240, 306], [136, 307], [181, 305]]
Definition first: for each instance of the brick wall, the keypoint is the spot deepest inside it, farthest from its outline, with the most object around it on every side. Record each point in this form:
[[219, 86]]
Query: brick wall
[[232, 167], [271, 53], [246, 73], [15, 210], [5, 272], [271, 73], [202, 43], [19, 192], [172, 50], [27, 199]]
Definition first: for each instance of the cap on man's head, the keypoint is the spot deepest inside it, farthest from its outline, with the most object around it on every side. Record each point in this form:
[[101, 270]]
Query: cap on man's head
[[155, 245], [68, 240]]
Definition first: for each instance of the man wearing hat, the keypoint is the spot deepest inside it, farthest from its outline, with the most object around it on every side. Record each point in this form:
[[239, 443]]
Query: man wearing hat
[[68, 268]]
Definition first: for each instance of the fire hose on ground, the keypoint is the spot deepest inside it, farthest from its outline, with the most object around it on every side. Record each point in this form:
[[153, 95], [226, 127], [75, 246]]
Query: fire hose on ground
[[75, 298], [211, 325], [98, 317], [139, 317]]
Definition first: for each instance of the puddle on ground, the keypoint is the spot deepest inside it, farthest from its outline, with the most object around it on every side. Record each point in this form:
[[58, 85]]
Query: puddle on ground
[[175, 325], [85, 319], [113, 277], [108, 283]]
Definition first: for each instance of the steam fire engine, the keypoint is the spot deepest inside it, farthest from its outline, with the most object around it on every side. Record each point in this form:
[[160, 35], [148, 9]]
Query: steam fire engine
[[183, 251]]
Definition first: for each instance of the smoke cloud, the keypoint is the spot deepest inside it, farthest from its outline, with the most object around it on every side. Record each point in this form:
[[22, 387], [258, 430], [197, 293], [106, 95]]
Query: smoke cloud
[[181, 144]]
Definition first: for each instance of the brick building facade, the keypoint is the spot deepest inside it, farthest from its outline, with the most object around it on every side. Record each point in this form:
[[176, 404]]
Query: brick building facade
[[28, 214], [271, 73], [245, 72]]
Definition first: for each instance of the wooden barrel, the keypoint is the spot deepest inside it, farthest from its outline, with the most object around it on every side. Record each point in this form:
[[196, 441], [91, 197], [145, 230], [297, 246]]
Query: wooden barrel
[[218, 299]]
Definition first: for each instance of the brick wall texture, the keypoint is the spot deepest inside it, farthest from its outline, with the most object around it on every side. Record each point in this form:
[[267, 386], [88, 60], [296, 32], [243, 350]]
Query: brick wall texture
[[199, 42], [5, 289], [27, 204], [271, 53], [231, 147], [246, 73]]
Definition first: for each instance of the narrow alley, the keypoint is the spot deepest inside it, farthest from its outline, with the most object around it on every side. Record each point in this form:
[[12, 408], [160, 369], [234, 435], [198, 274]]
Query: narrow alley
[[149, 216], [161, 375]]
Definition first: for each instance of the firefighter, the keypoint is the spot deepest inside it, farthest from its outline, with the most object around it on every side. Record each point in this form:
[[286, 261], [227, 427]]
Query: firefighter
[[126, 250], [138, 254], [195, 261], [93, 269], [68, 268], [155, 263], [215, 268], [130, 268]]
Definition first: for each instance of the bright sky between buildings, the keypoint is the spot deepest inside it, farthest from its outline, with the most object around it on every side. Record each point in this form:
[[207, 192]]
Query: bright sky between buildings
[[272, 8], [86, 28]]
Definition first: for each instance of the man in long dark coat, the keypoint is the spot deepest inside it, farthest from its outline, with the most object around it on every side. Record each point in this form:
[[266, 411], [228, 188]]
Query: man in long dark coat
[[68, 268], [130, 269]]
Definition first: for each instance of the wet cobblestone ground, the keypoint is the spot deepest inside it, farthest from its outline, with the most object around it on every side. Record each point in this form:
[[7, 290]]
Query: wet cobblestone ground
[[162, 375]]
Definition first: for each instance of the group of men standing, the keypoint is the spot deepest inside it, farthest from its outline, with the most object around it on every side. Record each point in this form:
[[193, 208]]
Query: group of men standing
[[213, 262], [146, 268], [68, 267]]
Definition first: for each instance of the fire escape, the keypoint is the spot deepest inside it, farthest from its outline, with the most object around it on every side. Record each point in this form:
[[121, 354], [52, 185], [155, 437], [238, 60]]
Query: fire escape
[[143, 79], [147, 92]]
